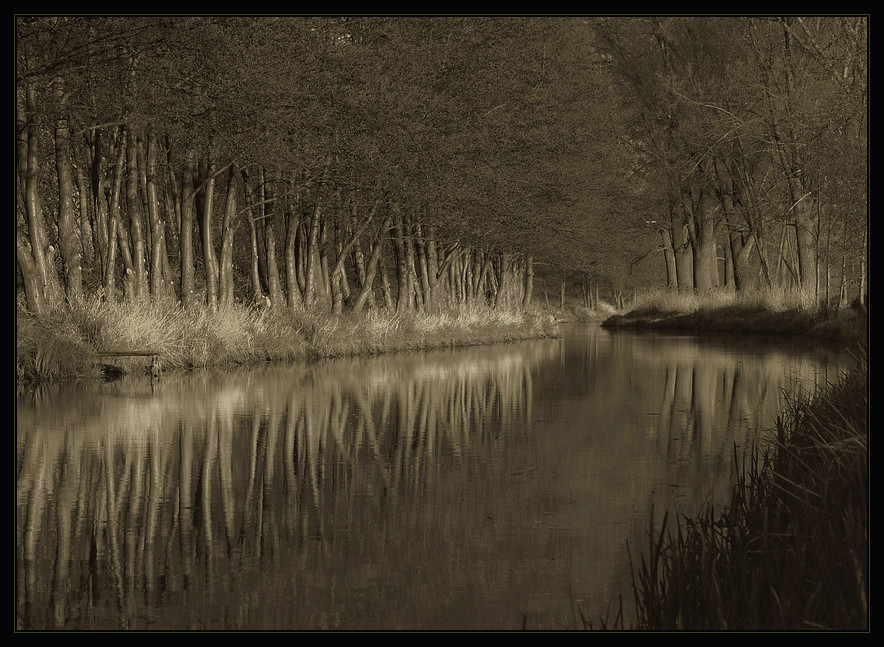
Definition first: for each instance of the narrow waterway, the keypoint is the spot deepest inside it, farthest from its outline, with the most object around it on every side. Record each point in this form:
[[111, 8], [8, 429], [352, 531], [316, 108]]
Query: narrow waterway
[[494, 487]]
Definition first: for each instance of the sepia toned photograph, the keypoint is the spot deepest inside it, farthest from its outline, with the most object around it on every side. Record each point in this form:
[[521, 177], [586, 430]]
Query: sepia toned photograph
[[441, 324]]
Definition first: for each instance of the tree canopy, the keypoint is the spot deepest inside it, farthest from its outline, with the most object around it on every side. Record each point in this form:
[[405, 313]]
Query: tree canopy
[[572, 141]]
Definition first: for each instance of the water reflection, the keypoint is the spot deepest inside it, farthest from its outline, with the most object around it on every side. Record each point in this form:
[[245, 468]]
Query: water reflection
[[484, 488]]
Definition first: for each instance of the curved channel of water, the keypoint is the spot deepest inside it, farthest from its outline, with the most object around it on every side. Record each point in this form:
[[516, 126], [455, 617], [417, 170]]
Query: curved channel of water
[[495, 487]]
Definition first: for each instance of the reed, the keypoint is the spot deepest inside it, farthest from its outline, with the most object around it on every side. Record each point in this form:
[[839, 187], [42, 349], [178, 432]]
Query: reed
[[52, 347], [791, 550], [63, 343]]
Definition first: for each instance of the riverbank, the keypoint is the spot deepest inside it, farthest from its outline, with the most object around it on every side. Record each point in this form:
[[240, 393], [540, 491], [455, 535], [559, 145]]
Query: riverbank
[[791, 551], [65, 343], [753, 314]]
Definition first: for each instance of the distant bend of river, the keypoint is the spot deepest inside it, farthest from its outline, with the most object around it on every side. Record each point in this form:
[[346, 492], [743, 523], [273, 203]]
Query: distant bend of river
[[496, 487]]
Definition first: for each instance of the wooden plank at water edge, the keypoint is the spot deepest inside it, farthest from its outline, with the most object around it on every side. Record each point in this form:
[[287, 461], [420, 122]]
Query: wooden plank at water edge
[[154, 361]]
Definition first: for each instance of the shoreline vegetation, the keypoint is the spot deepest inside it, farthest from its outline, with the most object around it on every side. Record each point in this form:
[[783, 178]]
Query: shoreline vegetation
[[769, 312], [64, 343]]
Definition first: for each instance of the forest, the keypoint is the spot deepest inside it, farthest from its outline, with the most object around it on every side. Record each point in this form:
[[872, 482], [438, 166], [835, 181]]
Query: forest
[[347, 163]]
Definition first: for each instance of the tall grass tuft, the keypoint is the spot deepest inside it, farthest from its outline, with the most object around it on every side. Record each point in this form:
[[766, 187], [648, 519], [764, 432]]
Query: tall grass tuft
[[52, 347], [791, 550]]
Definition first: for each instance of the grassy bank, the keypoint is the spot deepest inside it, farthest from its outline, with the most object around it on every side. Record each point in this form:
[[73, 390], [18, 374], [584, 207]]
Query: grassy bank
[[767, 312], [791, 550], [63, 344]]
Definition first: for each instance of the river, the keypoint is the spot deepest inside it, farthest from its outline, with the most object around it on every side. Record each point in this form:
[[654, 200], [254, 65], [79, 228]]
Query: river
[[487, 488]]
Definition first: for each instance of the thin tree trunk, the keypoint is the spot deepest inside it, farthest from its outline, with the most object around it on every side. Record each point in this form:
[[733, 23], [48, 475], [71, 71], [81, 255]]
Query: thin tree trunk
[[49, 292], [275, 287], [99, 197], [117, 239], [389, 302], [562, 293], [313, 255], [669, 259], [359, 261], [325, 278], [186, 235], [343, 251], [136, 224], [87, 226], [68, 232], [160, 279], [207, 203], [423, 263], [255, 270], [365, 291], [684, 261], [702, 234], [228, 227], [292, 224], [529, 281], [404, 295], [415, 296]]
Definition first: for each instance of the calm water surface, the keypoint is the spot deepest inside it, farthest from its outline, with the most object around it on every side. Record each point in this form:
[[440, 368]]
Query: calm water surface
[[494, 487]]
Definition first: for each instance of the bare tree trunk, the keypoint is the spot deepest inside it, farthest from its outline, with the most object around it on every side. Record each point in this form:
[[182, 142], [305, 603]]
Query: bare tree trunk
[[292, 224], [359, 262], [186, 235], [389, 302], [529, 281], [337, 277], [117, 240], [324, 276], [41, 259], [206, 204], [684, 261], [669, 259], [404, 298], [803, 202], [255, 270], [276, 296], [87, 226], [313, 255], [433, 275], [421, 246], [343, 252], [416, 298], [701, 228], [228, 227], [160, 285], [562, 292], [95, 147], [68, 232], [739, 245], [366, 289], [136, 225]]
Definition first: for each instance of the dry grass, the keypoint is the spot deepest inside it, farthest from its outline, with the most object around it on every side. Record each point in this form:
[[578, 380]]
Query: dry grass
[[63, 344]]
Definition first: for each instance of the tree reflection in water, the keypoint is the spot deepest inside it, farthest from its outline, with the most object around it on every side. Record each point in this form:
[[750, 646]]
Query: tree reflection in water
[[405, 491]]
